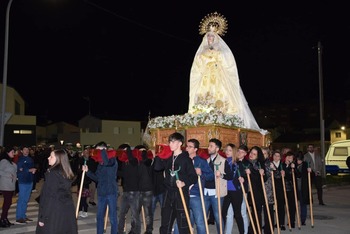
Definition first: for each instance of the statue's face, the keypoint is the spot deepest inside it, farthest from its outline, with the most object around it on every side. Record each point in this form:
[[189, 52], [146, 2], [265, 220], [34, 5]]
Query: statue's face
[[210, 38]]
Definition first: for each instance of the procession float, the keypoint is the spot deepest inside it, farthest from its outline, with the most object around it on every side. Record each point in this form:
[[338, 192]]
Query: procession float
[[217, 106]]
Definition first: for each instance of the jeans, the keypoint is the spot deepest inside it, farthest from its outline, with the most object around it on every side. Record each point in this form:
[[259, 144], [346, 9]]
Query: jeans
[[197, 216], [229, 220], [146, 202], [233, 199], [157, 198], [130, 200], [103, 201], [245, 216], [213, 201], [25, 190]]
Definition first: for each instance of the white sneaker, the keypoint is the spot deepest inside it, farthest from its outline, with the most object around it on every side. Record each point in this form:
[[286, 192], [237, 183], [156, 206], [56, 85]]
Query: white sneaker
[[84, 215], [81, 213]]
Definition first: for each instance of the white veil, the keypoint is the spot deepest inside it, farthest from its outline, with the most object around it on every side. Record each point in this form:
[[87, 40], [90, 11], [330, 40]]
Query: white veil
[[228, 78]]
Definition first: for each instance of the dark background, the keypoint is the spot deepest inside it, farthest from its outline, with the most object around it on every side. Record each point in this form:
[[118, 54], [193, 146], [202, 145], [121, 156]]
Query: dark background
[[131, 58]]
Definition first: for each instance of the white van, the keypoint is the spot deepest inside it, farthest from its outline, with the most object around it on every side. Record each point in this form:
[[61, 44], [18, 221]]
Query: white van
[[336, 157]]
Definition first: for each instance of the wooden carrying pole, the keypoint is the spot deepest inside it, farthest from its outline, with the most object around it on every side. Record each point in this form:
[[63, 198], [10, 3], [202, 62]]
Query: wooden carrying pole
[[310, 197], [254, 206], [80, 191], [286, 202], [143, 218], [266, 201], [106, 218], [247, 204], [184, 202], [296, 198], [218, 195], [203, 204], [275, 200]]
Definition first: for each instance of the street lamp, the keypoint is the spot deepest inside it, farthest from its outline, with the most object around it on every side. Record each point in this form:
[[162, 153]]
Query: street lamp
[[4, 77]]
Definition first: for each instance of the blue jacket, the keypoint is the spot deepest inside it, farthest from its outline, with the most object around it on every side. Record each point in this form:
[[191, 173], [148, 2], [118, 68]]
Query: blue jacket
[[105, 176], [234, 184], [207, 174], [23, 174]]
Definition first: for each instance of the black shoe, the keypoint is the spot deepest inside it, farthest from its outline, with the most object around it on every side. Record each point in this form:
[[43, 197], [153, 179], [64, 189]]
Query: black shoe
[[211, 223], [3, 223], [8, 222], [303, 223], [92, 203], [283, 228], [322, 204]]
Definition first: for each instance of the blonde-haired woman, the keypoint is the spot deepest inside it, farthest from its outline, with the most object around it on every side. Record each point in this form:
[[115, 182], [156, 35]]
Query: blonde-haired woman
[[234, 198]]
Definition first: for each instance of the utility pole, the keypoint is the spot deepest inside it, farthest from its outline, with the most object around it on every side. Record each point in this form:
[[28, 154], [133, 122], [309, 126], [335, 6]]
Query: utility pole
[[4, 77], [320, 82]]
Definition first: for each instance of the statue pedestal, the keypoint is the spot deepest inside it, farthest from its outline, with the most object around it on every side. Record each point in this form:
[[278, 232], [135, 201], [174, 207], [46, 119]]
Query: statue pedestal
[[203, 134]]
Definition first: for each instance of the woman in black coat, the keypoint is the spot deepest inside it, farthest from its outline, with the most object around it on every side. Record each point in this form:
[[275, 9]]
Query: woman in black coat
[[301, 172], [256, 169], [56, 208]]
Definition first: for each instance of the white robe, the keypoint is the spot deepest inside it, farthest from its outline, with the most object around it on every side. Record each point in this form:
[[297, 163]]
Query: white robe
[[214, 83]]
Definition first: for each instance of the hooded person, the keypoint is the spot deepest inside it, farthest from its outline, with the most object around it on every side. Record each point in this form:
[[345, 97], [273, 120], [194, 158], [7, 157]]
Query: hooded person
[[130, 176], [107, 189]]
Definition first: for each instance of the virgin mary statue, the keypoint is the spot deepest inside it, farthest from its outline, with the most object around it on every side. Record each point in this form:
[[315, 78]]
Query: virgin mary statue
[[214, 82]]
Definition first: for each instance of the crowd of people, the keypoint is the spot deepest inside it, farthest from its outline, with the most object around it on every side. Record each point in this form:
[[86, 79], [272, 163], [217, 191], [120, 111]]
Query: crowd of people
[[259, 189]]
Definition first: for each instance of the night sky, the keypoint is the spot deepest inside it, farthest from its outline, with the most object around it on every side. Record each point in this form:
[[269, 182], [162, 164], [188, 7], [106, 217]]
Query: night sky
[[133, 58]]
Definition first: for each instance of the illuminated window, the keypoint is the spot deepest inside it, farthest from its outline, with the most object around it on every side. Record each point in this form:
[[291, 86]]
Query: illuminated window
[[116, 130], [130, 131], [23, 132]]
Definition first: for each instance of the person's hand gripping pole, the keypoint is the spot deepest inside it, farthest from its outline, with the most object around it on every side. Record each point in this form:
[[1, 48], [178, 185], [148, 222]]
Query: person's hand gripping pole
[[180, 184], [80, 190], [218, 174], [202, 199], [241, 180]]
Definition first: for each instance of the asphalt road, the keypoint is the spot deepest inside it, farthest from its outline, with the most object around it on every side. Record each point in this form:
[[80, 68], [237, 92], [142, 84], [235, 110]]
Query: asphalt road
[[332, 218]]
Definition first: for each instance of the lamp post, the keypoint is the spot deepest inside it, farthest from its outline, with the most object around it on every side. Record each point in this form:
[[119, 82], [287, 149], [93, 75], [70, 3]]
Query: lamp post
[[4, 77], [320, 82]]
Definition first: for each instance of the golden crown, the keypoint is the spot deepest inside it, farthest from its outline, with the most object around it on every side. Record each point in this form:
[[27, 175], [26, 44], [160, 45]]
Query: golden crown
[[213, 22]]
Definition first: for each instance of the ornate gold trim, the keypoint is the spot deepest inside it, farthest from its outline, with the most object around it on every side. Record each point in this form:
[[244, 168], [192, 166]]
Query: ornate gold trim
[[213, 22]]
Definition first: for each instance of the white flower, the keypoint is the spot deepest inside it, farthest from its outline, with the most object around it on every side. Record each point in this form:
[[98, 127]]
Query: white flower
[[208, 117]]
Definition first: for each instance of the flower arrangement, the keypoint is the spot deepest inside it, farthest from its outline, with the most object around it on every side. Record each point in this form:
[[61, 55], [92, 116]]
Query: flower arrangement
[[203, 118]]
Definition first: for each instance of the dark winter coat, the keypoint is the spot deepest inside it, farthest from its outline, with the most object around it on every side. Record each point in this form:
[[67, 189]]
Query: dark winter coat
[[56, 208], [303, 182]]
